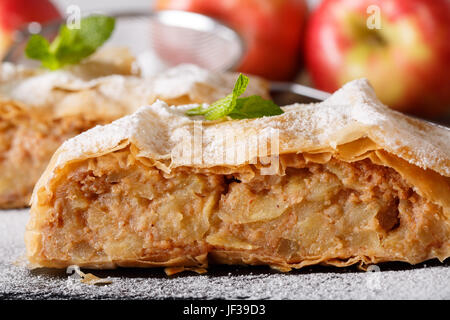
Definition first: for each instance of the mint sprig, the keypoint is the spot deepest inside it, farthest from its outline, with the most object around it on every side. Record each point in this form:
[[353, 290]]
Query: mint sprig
[[71, 46], [254, 107], [238, 108]]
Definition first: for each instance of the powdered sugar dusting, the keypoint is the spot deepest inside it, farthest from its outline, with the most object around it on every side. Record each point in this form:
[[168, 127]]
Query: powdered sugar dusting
[[181, 79], [98, 139]]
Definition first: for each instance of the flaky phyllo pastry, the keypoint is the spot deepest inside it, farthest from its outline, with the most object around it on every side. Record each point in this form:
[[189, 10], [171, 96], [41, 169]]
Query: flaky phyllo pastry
[[341, 182], [40, 109]]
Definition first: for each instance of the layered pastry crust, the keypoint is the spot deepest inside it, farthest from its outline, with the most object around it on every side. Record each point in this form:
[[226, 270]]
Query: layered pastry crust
[[39, 110], [356, 182]]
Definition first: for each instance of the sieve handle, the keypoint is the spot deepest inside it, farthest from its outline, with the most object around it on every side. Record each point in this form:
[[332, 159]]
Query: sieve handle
[[298, 89]]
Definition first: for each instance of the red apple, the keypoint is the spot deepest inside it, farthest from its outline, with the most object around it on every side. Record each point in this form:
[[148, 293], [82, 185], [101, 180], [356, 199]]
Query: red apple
[[407, 60], [14, 14], [272, 29]]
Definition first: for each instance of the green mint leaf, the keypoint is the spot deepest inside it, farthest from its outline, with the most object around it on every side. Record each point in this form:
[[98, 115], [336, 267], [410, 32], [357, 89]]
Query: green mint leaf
[[238, 108], [224, 106], [71, 45], [38, 48], [254, 107], [221, 108], [241, 85], [198, 111]]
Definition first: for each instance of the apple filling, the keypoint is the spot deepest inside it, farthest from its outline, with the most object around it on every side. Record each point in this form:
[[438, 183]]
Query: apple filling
[[26, 146], [116, 210]]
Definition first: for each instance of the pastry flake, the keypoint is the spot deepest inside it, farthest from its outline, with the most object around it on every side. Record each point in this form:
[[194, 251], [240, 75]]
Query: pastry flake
[[355, 182]]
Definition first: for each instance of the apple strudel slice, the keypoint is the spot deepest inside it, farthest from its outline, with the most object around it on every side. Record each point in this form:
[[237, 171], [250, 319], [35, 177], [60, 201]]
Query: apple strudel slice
[[341, 182], [41, 109]]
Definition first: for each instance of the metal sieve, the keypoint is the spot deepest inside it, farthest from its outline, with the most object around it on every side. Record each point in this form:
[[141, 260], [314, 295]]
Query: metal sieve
[[172, 37]]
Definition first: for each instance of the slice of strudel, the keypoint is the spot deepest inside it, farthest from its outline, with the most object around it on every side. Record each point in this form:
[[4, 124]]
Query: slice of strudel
[[340, 182], [41, 109]]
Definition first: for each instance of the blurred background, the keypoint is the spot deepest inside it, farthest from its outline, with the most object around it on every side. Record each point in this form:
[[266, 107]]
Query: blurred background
[[401, 46]]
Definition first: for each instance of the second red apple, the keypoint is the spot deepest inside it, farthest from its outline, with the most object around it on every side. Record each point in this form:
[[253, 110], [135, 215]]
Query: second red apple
[[406, 56]]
